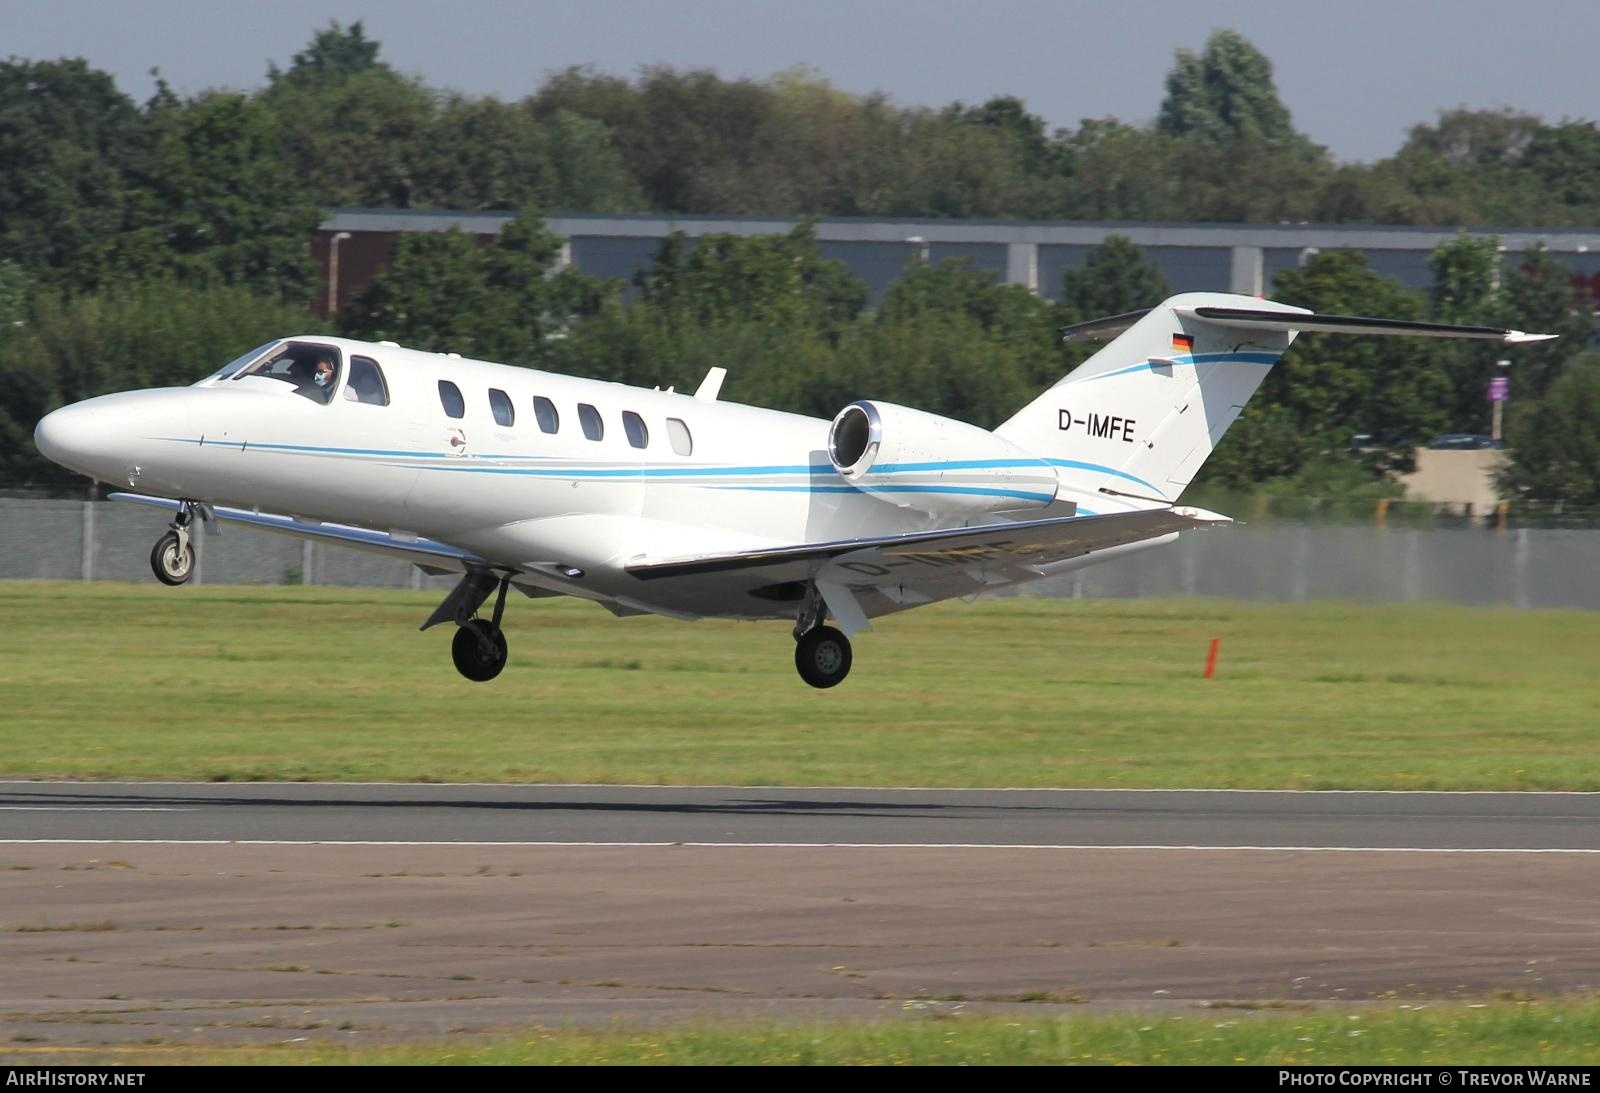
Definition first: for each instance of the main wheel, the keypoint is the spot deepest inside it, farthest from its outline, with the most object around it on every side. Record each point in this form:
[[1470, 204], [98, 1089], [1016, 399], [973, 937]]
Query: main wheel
[[479, 650], [171, 565], [822, 657]]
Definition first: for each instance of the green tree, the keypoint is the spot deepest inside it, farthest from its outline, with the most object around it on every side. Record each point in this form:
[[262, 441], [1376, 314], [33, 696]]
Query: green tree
[[1114, 278], [132, 335], [357, 141], [1465, 289], [1539, 296], [499, 301], [68, 138], [1327, 388], [770, 309], [354, 131], [212, 204], [1224, 95], [950, 340], [1554, 440], [587, 171], [777, 280], [1564, 162], [1115, 171], [334, 53]]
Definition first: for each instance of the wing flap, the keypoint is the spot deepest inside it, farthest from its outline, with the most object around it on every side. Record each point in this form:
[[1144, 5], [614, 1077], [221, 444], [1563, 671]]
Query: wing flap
[[1019, 547]]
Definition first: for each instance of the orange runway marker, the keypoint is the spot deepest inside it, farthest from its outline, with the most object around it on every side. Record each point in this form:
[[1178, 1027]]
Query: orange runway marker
[[1211, 657]]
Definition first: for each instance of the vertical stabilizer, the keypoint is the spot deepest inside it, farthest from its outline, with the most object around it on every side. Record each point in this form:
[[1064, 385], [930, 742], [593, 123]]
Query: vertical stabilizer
[[1136, 420]]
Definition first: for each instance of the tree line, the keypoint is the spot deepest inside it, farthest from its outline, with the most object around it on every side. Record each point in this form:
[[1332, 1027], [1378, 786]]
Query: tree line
[[144, 243]]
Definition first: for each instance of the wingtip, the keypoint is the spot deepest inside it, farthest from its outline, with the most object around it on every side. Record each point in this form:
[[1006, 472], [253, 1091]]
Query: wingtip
[[1517, 337], [1202, 516]]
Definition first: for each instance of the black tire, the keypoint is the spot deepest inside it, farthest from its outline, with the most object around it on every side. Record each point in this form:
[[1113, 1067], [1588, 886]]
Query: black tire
[[822, 657], [475, 660], [168, 563]]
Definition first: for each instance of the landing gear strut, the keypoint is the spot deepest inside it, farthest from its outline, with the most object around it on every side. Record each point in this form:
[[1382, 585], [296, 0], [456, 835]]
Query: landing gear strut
[[821, 653], [479, 647], [172, 558]]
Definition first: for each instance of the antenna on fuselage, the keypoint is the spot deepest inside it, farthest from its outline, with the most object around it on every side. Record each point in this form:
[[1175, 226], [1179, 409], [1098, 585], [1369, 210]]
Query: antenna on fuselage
[[707, 391]]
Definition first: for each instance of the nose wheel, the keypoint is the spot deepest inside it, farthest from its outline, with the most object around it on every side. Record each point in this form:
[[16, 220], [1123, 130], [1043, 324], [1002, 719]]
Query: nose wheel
[[822, 657], [172, 558]]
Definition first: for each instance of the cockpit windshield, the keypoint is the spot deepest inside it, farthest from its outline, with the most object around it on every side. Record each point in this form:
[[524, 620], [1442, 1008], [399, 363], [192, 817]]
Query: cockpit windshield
[[313, 370], [237, 363]]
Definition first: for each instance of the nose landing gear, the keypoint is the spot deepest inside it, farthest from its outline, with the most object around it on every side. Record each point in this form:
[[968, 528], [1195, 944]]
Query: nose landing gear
[[172, 558]]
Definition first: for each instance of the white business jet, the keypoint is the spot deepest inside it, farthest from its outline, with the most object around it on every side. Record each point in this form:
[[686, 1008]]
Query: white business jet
[[655, 502]]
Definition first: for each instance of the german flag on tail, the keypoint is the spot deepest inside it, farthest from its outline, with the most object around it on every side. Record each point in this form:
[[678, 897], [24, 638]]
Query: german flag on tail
[[1183, 343]]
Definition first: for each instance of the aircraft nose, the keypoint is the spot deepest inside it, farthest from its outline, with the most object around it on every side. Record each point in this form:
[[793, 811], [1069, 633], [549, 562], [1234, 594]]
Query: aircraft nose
[[69, 436]]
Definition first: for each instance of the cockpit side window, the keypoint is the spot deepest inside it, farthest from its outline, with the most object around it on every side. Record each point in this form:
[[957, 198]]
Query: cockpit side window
[[313, 370], [366, 383]]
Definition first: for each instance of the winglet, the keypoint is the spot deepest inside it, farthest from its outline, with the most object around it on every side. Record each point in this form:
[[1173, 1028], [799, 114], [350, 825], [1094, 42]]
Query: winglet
[[711, 385]]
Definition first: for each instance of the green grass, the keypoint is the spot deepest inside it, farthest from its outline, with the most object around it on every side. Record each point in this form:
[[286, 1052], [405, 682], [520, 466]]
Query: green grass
[[135, 681], [1522, 1034]]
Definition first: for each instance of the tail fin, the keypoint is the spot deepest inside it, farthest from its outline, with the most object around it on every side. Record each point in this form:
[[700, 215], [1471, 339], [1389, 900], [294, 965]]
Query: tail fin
[[1136, 420]]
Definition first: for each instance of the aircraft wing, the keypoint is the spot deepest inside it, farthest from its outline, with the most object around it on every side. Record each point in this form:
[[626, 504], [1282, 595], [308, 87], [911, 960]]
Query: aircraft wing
[[916, 567], [428, 553]]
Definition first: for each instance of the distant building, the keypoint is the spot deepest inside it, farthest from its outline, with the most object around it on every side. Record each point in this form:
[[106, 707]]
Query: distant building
[[1240, 258]]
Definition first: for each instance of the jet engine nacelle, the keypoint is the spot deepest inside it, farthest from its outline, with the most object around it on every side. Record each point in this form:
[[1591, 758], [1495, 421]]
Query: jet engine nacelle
[[934, 464]]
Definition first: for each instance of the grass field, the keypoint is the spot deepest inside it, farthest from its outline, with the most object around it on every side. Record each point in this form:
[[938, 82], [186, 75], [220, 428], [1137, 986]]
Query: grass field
[[1501, 1033], [138, 681]]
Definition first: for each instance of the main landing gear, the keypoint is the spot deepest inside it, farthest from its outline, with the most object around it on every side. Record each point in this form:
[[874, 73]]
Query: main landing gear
[[479, 650], [172, 558], [821, 653], [479, 647]]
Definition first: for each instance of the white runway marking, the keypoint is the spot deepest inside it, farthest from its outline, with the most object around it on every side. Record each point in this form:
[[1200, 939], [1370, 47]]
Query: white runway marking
[[811, 846], [94, 808]]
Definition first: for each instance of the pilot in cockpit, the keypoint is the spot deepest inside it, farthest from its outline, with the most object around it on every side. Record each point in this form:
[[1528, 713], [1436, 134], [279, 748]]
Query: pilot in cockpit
[[319, 375]]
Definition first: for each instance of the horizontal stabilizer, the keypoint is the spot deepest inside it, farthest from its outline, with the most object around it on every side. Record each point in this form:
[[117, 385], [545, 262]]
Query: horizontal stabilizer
[[1308, 323], [1100, 329]]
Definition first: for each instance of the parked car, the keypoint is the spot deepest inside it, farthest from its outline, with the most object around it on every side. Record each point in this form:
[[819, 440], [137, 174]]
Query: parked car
[[1465, 442]]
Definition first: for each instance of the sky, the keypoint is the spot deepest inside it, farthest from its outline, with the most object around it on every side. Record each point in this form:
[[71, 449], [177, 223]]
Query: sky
[[1355, 74]]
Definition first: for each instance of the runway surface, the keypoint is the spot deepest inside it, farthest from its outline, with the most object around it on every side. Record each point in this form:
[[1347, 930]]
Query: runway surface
[[591, 815], [140, 912]]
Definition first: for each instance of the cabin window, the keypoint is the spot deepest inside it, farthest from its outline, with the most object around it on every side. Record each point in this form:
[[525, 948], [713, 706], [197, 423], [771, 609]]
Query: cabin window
[[678, 436], [634, 426], [589, 418], [545, 411], [366, 383], [500, 404], [450, 398]]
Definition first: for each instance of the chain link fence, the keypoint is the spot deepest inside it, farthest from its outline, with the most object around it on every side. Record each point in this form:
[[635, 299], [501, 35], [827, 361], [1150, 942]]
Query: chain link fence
[[1465, 562]]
